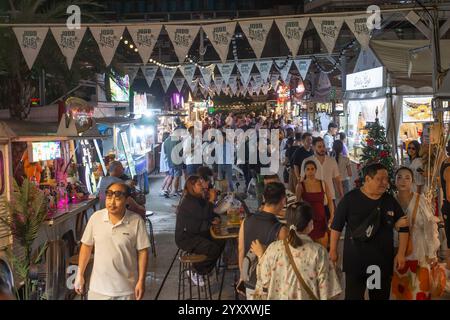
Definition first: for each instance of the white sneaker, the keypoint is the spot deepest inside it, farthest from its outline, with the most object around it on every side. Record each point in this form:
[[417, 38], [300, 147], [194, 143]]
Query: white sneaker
[[194, 278]]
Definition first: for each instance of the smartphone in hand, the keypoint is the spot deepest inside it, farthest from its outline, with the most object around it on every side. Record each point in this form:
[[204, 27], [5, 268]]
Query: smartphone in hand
[[240, 288]]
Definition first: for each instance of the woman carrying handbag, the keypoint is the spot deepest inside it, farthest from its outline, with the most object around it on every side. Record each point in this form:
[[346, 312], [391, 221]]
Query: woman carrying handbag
[[297, 268], [420, 278]]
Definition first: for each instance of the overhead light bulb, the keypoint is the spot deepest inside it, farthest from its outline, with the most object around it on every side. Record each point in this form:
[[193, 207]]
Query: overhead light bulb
[[126, 42], [131, 46], [135, 49]]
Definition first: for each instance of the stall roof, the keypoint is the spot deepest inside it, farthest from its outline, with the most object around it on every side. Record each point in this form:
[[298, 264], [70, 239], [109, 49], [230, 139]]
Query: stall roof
[[115, 120], [395, 55], [21, 130]]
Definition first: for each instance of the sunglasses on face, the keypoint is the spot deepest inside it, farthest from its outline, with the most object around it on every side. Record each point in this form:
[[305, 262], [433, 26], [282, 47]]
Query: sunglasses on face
[[117, 194]]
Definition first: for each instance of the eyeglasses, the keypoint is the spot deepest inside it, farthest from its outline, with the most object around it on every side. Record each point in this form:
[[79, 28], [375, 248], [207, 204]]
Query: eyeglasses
[[117, 194]]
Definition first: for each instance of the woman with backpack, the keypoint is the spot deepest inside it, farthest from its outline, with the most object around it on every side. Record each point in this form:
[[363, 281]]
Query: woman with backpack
[[296, 268]]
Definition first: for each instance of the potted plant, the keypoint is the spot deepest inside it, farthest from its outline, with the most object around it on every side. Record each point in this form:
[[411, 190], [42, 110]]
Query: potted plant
[[27, 212]]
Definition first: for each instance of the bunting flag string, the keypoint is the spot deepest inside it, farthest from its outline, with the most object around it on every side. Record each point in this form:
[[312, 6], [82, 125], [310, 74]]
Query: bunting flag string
[[108, 39], [30, 41], [145, 37], [68, 41]]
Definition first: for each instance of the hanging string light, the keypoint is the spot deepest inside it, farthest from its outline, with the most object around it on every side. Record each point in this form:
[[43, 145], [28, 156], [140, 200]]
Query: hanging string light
[[338, 60]]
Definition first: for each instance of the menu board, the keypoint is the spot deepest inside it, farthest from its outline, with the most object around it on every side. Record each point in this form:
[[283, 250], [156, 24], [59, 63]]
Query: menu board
[[42, 151], [417, 109], [128, 155]]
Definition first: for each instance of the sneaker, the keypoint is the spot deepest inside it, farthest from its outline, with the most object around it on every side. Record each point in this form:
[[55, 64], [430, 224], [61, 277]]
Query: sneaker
[[194, 278], [162, 193]]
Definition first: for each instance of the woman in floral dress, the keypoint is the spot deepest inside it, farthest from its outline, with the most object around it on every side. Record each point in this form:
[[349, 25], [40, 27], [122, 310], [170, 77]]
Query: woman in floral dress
[[277, 279], [413, 281]]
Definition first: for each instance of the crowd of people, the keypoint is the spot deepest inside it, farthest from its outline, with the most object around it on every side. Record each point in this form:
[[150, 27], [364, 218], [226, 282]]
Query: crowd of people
[[289, 247]]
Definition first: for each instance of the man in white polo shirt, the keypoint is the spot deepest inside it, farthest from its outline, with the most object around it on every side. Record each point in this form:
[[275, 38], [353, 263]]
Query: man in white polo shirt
[[121, 250], [327, 168]]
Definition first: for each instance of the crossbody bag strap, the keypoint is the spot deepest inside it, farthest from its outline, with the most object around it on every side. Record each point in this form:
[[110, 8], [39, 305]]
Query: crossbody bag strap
[[297, 273], [414, 215]]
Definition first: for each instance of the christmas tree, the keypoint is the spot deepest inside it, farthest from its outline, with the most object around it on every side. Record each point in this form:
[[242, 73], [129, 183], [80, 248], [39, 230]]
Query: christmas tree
[[377, 149]]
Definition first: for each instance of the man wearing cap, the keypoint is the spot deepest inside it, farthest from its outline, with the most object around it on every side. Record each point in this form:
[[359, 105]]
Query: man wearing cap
[[121, 250]]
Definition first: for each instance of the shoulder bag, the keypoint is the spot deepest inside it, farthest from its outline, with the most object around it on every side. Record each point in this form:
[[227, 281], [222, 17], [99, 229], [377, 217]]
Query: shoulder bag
[[297, 273]]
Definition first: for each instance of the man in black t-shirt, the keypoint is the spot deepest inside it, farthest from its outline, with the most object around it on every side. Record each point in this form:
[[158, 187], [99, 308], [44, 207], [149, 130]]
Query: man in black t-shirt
[[378, 250], [301, 154]]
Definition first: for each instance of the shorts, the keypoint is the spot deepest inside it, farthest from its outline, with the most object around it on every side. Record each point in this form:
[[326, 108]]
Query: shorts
[[446, 216], [97, 296], [175, 171]]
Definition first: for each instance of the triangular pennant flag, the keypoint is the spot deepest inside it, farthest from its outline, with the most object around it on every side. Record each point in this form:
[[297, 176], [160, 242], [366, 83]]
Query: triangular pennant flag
[[164, 85], [108, 39], [264, 68], [145, 37], [324, 83], [225, 70], [179, 82], [286, 67], [220, 36], [168, 74], [258, 81], [182, 38], [30, 41], [256, 33], [274, 81], [131, 71], [149, 74], [188, 72], [302, 66], [207, 74], [288, 79], [265, 89], [245, 68], [218, 82], [292, 31], [328, 30], [68, 41], [193, 85], [358, 25]]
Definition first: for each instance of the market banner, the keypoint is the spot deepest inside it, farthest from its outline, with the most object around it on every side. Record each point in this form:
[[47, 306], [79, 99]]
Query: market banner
[[164, 85], [68, 41], [131, 71], [188, 72], [207, 74], [303, 66], [108, 39], [256, 33], [292, 30], [179, 82], [328, 30], [145, 37], [182, 38], [264, 68], [30, 41], [358, 25], [245, 68], [286, 67], [220, 36], [225, 70], [149, 74], [168, 74]]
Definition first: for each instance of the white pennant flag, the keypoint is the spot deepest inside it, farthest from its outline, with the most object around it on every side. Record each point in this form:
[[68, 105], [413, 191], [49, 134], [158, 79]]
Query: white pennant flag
[[358, 25], [256, 33], [108, 39], [225, 70], [68, 41], [245, 68], [188, 72], [264, 68], [218, 82], [179, 82], [328, 30], [149, 74], [207, 74], [163, 84], [220, 36], [274, 81], [265, 89], [182, 38], [193, 85], [302, 66], [30, 41], [233, 84], [168, 74], [258, 81], [292, 31], [145, 37], [131, 71], [286, 67]]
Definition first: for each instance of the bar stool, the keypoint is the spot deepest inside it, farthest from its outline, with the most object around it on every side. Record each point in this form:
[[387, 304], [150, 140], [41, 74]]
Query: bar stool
[[149, 226], [185, 272]]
